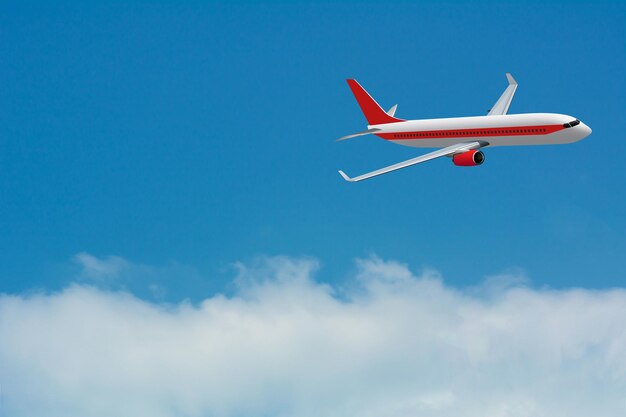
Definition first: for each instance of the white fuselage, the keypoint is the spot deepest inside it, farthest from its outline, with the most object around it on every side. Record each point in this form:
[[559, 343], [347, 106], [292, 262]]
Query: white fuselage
[[504, 130]]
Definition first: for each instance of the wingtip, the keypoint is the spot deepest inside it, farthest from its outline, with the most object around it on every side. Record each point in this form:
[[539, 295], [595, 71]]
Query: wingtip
[[345, 177], [511, 79]]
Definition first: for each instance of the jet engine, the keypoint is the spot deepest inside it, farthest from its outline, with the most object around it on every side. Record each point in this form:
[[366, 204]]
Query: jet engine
[[468, 159]]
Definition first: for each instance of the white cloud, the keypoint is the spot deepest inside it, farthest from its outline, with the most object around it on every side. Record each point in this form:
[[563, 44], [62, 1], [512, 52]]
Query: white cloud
[[394, 344], [92, 267], [116, 273]]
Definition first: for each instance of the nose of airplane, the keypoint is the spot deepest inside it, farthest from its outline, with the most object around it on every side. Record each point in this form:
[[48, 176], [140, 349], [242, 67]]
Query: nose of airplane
[[586, 129]]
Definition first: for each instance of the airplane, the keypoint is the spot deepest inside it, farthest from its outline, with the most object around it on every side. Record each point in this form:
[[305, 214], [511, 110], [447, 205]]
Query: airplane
[[462, 137]]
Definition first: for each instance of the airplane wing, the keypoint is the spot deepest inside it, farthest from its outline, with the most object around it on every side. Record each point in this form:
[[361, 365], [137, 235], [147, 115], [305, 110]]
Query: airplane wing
[[503, 103], [450, 150]]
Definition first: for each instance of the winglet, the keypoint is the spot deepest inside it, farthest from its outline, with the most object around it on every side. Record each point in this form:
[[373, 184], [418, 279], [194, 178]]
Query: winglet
[[511, 79], [345, 177], [502, 105]]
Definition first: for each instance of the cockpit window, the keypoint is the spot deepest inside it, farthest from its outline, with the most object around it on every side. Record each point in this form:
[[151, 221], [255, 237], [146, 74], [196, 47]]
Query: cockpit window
[[572, 123]]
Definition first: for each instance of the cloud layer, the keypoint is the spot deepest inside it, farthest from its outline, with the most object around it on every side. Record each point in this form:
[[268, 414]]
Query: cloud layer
[[392, 344]]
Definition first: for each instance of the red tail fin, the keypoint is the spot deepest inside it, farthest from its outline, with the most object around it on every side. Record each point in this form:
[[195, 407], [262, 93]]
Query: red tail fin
[[374, 114]]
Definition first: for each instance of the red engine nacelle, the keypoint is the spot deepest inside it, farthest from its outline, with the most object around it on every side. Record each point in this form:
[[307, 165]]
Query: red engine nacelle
[[468, 159]]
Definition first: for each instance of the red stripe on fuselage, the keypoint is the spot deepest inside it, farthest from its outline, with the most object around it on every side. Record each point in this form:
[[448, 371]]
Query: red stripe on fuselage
[[477, 132]]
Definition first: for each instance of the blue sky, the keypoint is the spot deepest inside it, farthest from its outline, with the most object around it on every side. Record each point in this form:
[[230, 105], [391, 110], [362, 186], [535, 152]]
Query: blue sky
[[200, 135], [175, 239]]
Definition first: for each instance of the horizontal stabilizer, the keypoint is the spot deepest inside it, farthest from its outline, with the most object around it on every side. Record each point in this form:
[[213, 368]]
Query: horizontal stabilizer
[[392, 111], [365, 132]]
